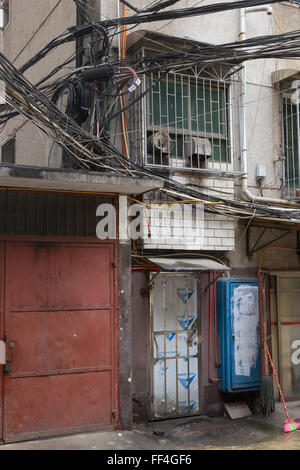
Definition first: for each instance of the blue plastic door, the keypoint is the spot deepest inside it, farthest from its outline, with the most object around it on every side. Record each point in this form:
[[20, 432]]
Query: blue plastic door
[[245, 349]]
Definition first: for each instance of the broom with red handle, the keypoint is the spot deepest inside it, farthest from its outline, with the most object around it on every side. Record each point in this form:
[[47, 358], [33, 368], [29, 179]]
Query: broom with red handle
[[289, 424]]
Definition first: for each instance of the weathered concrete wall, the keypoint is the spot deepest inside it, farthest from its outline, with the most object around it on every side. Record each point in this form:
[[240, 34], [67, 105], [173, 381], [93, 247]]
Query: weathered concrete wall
[[38, 22], [272, 258], [209, 395], [125, 335], [288, 15], [32, 25], [141, 356], [125, 318], [208, 28]]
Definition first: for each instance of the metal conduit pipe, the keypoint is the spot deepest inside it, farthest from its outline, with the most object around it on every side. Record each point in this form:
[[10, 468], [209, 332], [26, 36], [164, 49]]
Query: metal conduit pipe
[[268, 9], [244, 151]]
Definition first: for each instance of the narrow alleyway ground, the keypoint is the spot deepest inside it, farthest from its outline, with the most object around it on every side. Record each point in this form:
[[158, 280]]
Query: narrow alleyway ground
[[198, 433]]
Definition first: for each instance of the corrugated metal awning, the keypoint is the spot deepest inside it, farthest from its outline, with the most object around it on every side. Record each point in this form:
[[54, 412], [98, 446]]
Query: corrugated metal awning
[[188, 264]]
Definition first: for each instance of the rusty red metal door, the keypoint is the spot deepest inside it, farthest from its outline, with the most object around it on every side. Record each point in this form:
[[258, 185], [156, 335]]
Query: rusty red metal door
[[2, 252], [60, 330]]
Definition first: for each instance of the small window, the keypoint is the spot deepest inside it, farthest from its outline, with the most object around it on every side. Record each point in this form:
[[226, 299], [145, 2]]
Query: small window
[[188, 118], [191, 114], [9, 152]]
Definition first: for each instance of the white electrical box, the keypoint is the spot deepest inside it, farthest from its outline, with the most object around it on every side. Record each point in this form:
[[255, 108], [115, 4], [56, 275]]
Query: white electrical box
[[260, 171]]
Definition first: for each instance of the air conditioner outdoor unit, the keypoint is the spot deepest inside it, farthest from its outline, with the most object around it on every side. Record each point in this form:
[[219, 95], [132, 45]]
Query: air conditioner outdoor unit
[[160, 142], [197, 147], [159, 145]]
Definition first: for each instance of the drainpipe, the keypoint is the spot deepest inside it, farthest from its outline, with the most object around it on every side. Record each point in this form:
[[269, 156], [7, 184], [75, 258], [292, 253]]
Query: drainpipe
[[244, 153]]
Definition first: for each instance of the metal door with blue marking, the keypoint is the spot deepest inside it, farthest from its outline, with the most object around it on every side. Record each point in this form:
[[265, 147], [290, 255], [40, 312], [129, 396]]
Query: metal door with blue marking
[[175, 380]]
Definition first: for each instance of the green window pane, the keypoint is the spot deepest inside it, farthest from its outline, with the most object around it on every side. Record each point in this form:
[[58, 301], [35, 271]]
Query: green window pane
[[219, 150], [177, 145], [188, 108]]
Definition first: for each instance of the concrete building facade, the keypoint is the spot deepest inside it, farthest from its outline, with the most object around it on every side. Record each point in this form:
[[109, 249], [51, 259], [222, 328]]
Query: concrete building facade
[[226, 129]]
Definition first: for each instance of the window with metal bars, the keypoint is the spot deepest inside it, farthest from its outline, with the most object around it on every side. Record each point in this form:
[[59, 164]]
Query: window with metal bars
[[291, 145], [186, 120], [190, 120]]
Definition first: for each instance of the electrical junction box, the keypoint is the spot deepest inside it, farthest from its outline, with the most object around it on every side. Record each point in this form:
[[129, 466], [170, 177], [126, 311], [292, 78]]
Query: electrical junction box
[[239, 334], [260, 171]]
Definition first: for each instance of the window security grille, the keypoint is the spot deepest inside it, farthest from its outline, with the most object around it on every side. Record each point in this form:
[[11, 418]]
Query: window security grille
[[291, 144], [188, 121]]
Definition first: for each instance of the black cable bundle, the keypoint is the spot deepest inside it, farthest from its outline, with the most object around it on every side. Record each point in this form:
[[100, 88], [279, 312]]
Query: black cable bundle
[[98, 73], [79, 100], [93, 90]]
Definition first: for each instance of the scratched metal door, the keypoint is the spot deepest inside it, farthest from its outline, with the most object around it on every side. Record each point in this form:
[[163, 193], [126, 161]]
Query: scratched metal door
[[288, 291], [59, 323], [2, 359], [175, 379]]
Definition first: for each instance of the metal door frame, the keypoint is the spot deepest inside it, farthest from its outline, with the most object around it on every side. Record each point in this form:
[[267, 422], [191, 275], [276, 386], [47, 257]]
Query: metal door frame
[[278, 275], [2, 318], [60, 241], [151, 334]]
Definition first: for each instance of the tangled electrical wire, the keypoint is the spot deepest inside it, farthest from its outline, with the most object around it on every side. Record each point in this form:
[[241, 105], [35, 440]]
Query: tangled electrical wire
[[76, 109]]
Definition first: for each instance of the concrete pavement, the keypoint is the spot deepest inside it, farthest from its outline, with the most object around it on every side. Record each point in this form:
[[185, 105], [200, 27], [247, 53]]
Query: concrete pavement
[[195, 433]]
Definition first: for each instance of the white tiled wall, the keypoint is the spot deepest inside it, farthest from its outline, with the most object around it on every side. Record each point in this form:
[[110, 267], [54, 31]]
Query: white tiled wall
[[215, 232]]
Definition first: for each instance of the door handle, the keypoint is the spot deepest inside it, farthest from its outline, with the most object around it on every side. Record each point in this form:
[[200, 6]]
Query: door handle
[[8, 364]]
